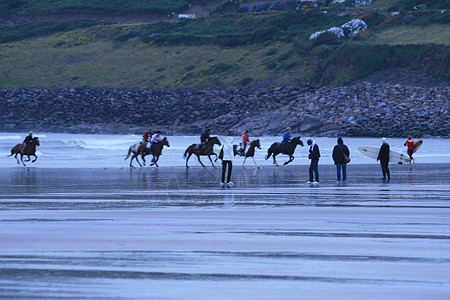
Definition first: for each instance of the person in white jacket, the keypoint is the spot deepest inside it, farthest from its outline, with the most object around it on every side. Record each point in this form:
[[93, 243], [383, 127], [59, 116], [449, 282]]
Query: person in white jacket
[[227, 155]]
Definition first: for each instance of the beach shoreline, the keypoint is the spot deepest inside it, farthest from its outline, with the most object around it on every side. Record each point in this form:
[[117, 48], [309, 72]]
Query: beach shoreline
[[172, 232]]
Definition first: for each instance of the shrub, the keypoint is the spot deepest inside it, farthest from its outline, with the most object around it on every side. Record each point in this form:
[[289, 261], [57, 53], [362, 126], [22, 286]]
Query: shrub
[[322, 51], [288, 65], [326, 38], [271, 51], [245, 81], [408, 19], [12, 33]]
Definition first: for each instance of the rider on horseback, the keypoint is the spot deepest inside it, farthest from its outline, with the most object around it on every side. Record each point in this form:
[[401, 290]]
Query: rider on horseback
[[155, 139], [245, 143], [286, 139], [204, 138], [147, 135], [26, 141]]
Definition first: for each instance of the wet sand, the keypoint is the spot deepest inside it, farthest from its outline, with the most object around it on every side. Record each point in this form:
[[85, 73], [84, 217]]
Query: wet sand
[[174, 233]]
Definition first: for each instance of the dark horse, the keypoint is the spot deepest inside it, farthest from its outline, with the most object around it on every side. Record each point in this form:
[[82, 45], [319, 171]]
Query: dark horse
[[141, 149], [275, 149], [250, 152], [207, 150], [30, 150]]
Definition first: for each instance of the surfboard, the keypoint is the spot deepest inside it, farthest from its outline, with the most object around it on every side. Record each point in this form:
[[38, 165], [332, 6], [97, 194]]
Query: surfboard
[[394, 156], [417, 145]]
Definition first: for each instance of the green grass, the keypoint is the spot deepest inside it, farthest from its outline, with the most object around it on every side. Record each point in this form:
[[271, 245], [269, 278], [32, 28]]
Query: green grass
[[117, 7], [404, 35], [234, 49], [101, 63]]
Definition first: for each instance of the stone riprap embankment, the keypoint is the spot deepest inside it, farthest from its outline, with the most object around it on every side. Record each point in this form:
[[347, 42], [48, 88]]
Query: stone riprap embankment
[[363, 109]]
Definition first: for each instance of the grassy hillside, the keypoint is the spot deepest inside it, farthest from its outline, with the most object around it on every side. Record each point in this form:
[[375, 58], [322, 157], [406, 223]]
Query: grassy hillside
[[263, 48], [117, 7]]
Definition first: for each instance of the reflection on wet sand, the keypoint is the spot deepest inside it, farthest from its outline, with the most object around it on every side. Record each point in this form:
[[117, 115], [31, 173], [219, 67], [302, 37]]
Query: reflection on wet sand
[[175, 233]]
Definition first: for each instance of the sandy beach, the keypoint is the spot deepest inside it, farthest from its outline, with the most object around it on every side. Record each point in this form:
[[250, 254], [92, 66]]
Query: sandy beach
[[173, 233]]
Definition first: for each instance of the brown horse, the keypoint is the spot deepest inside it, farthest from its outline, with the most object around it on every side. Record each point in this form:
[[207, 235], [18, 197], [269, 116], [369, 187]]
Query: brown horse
[[141, 149], [275, 149], [30, 150], [207, 150], [250, 152]]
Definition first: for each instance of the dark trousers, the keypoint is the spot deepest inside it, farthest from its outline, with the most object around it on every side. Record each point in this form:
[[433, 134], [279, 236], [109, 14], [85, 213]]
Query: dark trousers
[[385, 169], [314, 168], [226, 163], [410, 153]]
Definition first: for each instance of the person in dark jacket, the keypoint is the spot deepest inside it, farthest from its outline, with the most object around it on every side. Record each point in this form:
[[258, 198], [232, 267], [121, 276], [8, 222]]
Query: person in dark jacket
[[204, 138], [26, 141], [383, 157], [339, 160], [314, 155]]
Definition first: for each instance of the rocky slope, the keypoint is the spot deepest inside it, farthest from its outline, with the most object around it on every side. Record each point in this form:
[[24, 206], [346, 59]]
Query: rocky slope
[[363, 109]]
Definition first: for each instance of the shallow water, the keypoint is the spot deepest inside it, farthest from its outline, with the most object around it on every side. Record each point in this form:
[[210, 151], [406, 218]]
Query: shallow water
[[109, 151], [173, 233]]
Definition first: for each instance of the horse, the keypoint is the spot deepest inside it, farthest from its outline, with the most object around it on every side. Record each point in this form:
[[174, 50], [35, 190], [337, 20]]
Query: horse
[[250, 152], [275, 149], [141, 149], [30, 150], [207, 150]]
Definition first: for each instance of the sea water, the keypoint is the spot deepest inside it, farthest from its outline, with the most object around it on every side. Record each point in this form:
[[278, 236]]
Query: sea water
[[79, 223], [63, 150]]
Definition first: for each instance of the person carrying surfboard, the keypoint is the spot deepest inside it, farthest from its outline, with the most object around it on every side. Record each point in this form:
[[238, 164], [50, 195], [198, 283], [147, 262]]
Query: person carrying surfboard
[[383, 157], [410, 144]]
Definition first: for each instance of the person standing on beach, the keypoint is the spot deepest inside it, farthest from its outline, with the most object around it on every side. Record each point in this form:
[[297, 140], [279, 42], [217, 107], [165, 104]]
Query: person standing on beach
[[383, 157], [339, 153], [410, 144], [314, 155], [226, 155]]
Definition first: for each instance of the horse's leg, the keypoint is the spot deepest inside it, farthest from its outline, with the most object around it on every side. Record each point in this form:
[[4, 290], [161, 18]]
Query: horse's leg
[[243, 164], [187, 159], [137, 155], [21, 158], [29, 158], [143, 158], [156, 161], [255, 162], [291, 158], [35, 158], [131, 161], [210, 159], [198, 157], [275, 161], [18, 162]]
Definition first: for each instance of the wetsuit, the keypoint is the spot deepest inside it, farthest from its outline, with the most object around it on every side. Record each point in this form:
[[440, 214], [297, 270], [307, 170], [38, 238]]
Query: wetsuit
[[410, 144]]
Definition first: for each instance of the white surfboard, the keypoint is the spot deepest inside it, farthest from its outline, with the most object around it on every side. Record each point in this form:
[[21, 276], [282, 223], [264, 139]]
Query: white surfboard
[[394, 157]]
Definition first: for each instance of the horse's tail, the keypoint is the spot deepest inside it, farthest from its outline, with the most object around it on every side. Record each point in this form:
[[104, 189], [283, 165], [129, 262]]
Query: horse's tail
[[15, 149], [129, 153], [186, 152], [269, 153]]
